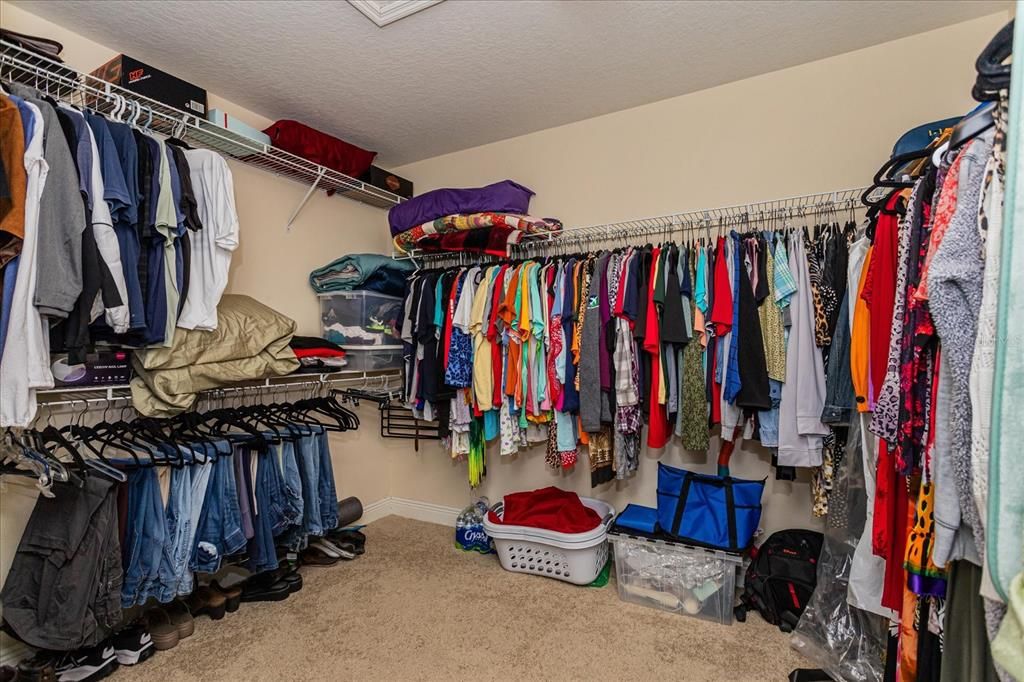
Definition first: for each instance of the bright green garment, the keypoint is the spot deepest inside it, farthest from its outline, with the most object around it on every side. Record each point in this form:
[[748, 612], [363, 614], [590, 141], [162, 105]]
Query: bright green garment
[[1008, 646], [1004, 534]]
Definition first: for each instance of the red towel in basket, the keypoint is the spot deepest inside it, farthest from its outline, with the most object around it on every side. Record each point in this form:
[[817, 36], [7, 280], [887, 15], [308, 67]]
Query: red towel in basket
[[548, 508]]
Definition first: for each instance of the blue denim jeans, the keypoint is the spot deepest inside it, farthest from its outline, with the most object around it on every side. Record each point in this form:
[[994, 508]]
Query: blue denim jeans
[[219, 532], [146, 552], [327, 492], [200, 475], [178, 515], [292, 479], [309, 459], [266, 508]]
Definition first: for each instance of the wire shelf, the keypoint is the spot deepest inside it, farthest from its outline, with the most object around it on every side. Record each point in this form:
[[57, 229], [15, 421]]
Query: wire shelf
[[382, 382], [703, 222], [85, 90]]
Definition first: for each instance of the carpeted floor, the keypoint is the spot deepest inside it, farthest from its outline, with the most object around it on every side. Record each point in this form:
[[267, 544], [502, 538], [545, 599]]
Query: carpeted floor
[[415, 608]]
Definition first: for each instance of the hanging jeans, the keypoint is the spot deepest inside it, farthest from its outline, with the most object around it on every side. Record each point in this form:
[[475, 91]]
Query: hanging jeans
[[291, 482], [219, 531], [268, 517], [327, 492], [146, 553], [178, 515], [308, 450], [64, 587], [200, 478]]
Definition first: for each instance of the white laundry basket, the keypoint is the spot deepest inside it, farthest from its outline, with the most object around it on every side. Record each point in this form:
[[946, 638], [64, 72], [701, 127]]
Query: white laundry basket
[[573, 557]]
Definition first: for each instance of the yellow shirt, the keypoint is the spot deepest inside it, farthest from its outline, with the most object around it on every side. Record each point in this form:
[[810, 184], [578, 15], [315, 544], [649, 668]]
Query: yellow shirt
[[483, 377]]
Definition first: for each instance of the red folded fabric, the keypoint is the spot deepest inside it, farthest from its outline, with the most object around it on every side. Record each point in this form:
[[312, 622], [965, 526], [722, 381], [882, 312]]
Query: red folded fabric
[[548, 508], [493, 241], [318, 353], [321, 148]]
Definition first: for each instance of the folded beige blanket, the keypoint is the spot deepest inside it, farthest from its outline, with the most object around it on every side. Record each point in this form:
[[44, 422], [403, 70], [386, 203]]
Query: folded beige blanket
[[250, 342]]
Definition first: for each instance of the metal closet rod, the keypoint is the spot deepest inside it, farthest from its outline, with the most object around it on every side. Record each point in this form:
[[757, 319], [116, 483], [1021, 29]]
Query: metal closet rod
[[709, 219], [370, 382]]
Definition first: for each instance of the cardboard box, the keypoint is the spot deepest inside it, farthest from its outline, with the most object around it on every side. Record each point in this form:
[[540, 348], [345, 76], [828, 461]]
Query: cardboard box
[[100, 369], [133, 75], [388, 181], [226, 120]]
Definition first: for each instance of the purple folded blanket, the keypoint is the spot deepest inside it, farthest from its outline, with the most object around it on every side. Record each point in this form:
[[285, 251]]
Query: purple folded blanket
[[501, 197]]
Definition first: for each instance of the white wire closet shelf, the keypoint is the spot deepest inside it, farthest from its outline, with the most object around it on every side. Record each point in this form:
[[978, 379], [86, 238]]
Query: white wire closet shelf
[[384, 383], [60, 82], [697, 223]]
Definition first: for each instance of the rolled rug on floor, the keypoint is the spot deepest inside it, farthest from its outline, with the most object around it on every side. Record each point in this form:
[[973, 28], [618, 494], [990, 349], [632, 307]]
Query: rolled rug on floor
[[350, 510]]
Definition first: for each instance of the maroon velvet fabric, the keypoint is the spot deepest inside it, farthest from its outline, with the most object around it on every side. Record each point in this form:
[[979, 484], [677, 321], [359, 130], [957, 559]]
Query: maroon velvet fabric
[[309, 143], [548, 508]]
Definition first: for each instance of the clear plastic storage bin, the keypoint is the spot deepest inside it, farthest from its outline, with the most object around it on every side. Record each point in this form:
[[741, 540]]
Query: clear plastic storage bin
[[675, 577], [373, 359], [361, 318]]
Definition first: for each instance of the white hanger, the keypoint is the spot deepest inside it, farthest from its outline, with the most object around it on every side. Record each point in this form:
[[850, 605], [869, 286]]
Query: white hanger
[[939, 151]]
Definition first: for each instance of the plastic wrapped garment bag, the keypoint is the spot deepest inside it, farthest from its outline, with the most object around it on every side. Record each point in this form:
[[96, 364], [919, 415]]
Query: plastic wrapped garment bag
[[844, 641]]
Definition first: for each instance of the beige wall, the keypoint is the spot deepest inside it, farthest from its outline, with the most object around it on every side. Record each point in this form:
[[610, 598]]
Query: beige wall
[[817, 127]]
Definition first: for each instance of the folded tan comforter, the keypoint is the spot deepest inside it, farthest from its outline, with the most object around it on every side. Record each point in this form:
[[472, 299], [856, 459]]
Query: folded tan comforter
[[250, 342]]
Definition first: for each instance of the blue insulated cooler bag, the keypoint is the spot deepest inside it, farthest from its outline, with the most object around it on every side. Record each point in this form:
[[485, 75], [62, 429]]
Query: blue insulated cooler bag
[[720, 512]]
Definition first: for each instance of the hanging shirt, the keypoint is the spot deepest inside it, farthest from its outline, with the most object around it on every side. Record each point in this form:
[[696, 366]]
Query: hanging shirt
[[210, 248], [26, 359], [117, 316]]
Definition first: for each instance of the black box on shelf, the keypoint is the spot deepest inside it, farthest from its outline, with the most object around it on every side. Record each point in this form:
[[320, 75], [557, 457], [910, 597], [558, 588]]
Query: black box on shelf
[[388, 181], [99, 369], [131, 74]]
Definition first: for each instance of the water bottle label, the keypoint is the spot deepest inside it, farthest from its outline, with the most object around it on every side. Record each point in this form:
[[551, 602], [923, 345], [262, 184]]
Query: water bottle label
[[473, 538]]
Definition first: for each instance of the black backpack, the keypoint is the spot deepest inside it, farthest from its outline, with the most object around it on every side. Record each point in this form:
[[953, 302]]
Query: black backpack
[[781, 577]]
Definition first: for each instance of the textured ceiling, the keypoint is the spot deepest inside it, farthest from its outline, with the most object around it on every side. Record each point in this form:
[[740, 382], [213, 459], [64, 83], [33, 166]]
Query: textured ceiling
[[468, 72]]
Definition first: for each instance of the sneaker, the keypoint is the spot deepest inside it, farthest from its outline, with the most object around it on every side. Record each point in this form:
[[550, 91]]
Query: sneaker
[[133, 645], [86, 665]]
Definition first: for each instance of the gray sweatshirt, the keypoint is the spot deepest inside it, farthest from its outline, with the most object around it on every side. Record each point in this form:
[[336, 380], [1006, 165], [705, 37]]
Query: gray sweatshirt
[[62, 218], [954, 285]]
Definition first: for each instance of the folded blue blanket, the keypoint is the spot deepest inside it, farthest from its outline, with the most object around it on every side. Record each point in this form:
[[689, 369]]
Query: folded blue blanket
[[369, 271]]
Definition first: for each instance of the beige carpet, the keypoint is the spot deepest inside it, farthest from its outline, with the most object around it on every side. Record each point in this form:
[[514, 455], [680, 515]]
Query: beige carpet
[[415, 608]]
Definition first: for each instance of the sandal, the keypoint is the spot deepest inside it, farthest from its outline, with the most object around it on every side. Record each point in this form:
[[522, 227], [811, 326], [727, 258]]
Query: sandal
[[232, 595], [265, 587], [206, 600], [332, 549], [161, 629], [314, 556], [181, 618]]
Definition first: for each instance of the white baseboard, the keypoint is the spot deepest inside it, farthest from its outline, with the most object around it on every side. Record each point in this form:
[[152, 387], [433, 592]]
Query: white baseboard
[[410, 509]]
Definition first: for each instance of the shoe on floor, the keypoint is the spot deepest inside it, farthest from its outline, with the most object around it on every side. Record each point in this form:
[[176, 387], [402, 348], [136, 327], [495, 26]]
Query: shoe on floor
[[39, 668], [205, 600], [161, 630], [316, 556], [265, 587], [332, 549], [291, 578], [133, 645], [232, 595], [352, 540], [87, 665], [181, 618]]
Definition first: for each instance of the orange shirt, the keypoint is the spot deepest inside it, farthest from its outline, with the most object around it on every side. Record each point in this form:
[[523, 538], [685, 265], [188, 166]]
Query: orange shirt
[[859, 333], [12, 154]]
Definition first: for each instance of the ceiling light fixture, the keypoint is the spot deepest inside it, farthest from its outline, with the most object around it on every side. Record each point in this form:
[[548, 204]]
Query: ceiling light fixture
[[384, 12]]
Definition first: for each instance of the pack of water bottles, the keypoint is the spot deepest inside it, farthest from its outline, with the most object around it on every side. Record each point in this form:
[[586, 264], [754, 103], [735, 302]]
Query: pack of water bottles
[[470, 535]]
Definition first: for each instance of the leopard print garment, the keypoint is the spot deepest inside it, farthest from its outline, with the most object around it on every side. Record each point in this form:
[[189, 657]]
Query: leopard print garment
[[885, 419], [814, 269]]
